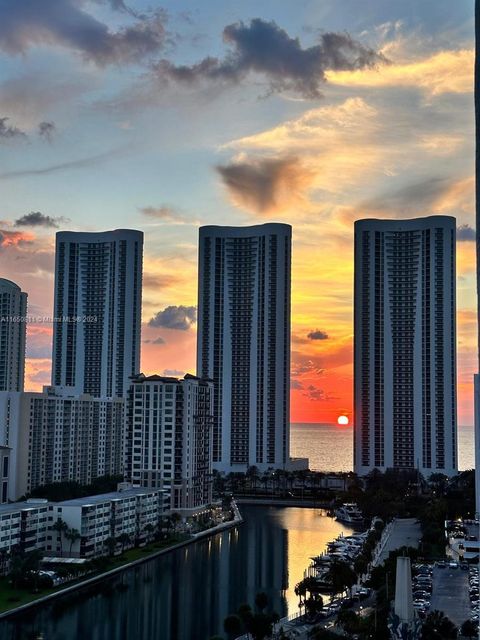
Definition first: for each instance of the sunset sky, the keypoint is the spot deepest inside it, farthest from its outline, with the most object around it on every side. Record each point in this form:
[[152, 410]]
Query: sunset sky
[[164, 117]]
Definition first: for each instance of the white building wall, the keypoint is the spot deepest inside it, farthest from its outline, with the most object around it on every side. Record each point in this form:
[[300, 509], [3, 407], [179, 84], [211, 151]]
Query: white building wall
[[98, 279], [13, 311], [244, 342], [405, 345]]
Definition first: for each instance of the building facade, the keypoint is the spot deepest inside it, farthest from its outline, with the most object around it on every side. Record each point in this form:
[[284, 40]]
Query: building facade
[[126, 518], [23, 525], [13, 326], [56, 437], [244, 342], [405, 345], [168, 438], [97, 309]]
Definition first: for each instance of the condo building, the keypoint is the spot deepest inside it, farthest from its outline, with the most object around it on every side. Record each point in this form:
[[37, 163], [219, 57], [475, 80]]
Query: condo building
[[130, 512], [126, 517], [243, 342], [168, 437], [56, 436], [97, 309], [13, 311], [405, 345]]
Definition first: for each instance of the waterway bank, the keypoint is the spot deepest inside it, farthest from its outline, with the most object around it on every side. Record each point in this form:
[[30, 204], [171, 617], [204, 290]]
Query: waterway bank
[[106, 575], [284, 502], [188, 592]]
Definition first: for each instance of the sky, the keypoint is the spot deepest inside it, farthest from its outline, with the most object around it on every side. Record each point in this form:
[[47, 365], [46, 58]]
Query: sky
[[167, 116]]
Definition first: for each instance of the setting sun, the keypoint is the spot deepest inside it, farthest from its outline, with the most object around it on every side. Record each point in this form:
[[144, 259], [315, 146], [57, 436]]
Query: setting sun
[[342, 420]]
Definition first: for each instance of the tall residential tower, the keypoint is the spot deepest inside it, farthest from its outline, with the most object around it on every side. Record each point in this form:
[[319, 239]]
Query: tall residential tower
[[13, 310], [98, 296], [244, 342], [405, 345]]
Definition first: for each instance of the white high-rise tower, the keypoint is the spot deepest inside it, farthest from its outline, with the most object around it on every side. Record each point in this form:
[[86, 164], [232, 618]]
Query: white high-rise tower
[[244, 342], [405, 345], [98, 296], [13, 310]]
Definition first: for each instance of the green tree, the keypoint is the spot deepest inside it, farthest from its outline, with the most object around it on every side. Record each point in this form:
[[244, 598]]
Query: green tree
[[232, 625], [61, 527], [438, 627], [348, 620], [149, 530], [176, 518], [110, 544], [124, 539], [341, 576], [72, 535], [468, 629], [261, 601]]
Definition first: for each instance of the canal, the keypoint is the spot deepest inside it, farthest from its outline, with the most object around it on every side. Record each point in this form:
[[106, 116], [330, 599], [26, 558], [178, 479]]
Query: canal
[[186, 594]]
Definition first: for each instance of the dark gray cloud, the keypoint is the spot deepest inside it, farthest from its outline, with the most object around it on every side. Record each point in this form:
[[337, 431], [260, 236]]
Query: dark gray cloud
[[38, 219], [264, 48], [47, 130], [158, 340], [8, 132], [29, 23], [465, 233], [316, 393], [317, 335], [175, 317], [257, 183]]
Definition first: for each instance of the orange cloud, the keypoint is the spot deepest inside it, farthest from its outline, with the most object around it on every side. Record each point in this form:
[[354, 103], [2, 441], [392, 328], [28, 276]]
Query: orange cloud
[[443, 72]]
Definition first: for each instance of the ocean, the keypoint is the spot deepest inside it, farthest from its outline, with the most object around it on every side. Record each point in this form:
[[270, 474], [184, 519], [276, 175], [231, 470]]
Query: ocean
[[330, 447]]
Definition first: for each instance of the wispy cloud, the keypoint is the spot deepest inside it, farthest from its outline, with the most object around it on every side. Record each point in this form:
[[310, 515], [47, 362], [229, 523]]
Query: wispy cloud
[[81, 163], [65, 23], [9, 132]]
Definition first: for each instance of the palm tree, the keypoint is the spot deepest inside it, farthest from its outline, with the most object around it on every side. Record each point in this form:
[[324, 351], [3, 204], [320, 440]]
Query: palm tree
[[3, 561], [17, 567], [123, 539], [72, 535], [60, 527], [110, 543], [149, 529]]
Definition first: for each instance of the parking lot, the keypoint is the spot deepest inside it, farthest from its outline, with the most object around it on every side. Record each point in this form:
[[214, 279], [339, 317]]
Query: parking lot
[[451, 594]]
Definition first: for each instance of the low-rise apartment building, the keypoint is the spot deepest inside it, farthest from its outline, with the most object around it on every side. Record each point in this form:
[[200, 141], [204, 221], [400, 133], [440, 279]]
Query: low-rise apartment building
[[119, 519], [24, 525], [122, 518]]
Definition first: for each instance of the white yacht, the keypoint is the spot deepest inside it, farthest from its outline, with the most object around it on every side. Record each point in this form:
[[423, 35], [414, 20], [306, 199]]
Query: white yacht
[[349, 513]]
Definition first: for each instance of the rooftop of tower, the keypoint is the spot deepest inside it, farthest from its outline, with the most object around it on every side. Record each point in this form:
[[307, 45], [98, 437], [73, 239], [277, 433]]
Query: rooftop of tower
[[9, 283], [245, 231], [97, 235], [423, 222]]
